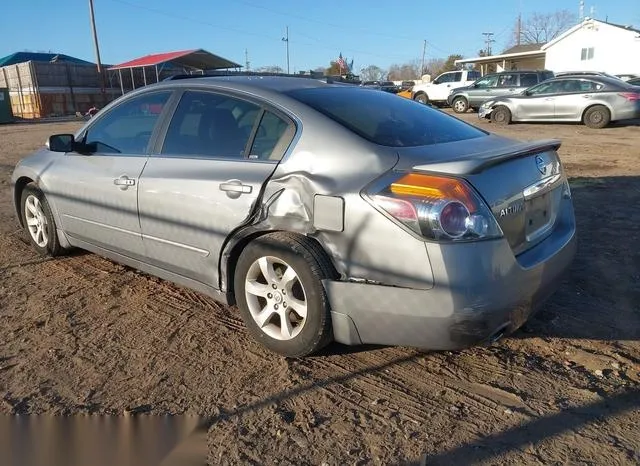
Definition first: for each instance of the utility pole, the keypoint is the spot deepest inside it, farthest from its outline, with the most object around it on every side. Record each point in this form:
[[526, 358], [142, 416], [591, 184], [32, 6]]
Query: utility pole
[[488, 41], [95, 41], [519, 29], [286, 40], [246, 59], [424, 52]]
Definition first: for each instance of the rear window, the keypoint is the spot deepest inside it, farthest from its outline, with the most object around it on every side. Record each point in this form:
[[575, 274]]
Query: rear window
[[386, 119]]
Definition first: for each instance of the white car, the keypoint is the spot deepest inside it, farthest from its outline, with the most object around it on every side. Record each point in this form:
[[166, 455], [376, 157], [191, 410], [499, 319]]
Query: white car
[[438, 90]]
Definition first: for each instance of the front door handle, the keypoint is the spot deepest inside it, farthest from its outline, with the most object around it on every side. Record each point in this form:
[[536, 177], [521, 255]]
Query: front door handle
[[124, 182], [235, 188]]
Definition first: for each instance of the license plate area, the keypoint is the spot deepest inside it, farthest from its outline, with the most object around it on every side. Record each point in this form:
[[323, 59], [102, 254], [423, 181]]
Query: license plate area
[[540, 215]]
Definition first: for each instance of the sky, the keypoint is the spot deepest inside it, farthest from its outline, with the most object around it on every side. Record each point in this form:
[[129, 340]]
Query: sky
[[371, 32]]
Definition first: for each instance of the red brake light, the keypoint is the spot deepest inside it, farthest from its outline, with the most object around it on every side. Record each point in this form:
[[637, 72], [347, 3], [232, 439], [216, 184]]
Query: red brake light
[[633, 96], [436, 207]]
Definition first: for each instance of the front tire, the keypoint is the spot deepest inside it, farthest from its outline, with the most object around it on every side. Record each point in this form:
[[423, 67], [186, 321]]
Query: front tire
[[279, 291], [501, 115], [597, 117], [460, 105], [38, 222], [422, 98]]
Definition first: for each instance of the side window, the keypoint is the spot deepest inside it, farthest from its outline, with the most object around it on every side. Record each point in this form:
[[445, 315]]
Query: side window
[[528, 79], [547, 88], [589, 86], [127, 128], [457, 77], [570, 85], [272, 138], [508, 80], [444, 78], [471, 75], [210, 125], [487, 81]]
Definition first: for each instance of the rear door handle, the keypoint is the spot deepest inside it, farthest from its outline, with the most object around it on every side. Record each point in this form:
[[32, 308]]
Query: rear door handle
[[235, 188], [124, 182]]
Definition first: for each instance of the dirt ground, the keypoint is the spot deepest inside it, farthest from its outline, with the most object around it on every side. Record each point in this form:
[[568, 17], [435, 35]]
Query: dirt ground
[[81, 334]]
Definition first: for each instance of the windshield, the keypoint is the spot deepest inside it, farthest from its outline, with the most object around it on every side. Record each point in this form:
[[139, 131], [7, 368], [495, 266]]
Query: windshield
[[385, 119]]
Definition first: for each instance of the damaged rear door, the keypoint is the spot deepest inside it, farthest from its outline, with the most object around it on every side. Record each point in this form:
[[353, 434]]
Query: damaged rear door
[[205, 178]]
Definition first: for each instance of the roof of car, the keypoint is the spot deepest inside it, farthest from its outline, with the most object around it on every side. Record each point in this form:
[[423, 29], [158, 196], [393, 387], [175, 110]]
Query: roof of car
[[612, 82], [272, 83]]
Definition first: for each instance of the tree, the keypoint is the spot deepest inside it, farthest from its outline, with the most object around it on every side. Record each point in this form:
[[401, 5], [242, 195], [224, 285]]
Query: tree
[[405, 71], [450, 63], [540, 28], [372, 73], [433, 67], [270, 69]]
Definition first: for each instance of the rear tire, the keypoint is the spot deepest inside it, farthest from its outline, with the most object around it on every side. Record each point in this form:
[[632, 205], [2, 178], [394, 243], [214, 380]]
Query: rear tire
[[501, 115], [38, 222], [460, 105], [279, 291], [422, 98], [597, 117]]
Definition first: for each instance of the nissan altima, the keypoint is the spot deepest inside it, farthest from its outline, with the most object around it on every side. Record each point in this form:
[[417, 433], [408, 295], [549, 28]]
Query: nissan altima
[[325, 212], [594, 100]]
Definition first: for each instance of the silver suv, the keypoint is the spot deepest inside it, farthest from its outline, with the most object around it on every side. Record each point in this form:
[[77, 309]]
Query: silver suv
[[494, 85]]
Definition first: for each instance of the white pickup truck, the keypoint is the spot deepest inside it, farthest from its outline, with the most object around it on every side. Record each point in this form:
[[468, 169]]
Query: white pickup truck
[[437, 91]]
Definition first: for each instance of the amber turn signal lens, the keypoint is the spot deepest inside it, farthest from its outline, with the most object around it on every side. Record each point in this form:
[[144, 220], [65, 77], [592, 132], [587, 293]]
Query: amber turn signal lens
[[434, 187]]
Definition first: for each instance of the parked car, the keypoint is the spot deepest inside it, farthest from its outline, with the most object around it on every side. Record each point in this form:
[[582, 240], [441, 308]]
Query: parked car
[[494, 85], [437, 91], [592, 100], [627, 76], [387, 86], [562, 74], [324, 211]]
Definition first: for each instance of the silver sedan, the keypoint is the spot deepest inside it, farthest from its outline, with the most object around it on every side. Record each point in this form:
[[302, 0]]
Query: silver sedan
[[324, 211], [593, 100]]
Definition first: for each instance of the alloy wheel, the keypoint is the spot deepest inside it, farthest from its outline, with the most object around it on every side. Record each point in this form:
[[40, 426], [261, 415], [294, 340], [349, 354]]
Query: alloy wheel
[[276, 298], [36, 221]]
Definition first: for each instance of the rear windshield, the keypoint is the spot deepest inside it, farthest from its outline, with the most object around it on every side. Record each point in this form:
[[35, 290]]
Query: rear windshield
[[384, 118]]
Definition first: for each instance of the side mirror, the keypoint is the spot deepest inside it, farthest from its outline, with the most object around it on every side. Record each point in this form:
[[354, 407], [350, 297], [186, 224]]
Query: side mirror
[[61, 143]]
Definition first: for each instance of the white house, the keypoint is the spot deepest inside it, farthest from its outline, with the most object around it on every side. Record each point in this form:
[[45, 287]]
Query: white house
[[595, 46], [591, 45]]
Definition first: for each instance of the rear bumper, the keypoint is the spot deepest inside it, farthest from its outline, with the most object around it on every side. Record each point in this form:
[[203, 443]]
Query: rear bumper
[[483, 292], [628, 112]]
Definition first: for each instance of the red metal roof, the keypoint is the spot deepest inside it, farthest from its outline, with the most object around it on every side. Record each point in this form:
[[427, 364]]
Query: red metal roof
[[197, 58]]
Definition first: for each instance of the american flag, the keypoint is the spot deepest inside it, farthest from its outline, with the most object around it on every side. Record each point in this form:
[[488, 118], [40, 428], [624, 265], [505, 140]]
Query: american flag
[[341, 63]]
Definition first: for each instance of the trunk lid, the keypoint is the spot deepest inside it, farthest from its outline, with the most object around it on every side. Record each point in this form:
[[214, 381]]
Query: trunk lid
[[522, 183]]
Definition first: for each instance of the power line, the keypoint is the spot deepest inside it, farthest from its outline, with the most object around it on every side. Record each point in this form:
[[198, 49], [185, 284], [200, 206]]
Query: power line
[[361, 31], [488, 41], [321, 43]]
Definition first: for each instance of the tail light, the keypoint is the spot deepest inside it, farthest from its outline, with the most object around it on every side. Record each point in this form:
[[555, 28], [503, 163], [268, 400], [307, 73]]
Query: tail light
[[435, 207], [633, 96]]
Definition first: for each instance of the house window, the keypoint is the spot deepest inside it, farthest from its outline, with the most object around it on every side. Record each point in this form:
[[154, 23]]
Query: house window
[[586, 54]]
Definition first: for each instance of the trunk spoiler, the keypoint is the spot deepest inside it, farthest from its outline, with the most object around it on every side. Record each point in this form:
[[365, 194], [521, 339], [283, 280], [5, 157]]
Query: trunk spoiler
[[477, 162]]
